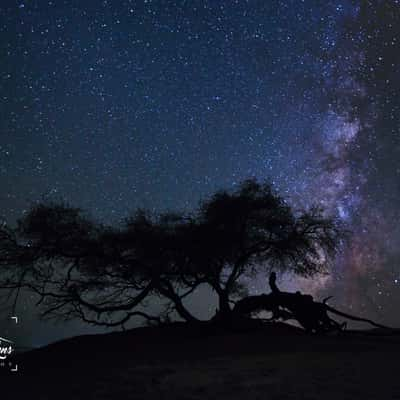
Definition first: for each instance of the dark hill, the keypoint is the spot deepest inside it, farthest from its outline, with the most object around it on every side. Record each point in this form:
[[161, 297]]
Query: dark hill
[[188, 362]]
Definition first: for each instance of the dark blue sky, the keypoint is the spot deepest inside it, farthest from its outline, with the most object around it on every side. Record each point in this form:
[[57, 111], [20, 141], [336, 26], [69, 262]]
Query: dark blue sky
[[113, 105]]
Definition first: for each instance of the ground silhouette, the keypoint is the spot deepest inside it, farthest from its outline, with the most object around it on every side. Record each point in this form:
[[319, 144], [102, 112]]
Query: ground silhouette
[[181, 360]]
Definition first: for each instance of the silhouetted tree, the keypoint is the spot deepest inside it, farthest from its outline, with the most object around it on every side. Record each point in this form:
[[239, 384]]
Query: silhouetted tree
[[103, 275], [252, 230]]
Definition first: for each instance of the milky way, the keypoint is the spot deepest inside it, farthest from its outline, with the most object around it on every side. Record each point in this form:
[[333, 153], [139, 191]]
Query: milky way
[[113, 105]]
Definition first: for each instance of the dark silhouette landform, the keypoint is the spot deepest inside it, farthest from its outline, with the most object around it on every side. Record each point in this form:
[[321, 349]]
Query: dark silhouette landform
[[207, 361], [249, 358]]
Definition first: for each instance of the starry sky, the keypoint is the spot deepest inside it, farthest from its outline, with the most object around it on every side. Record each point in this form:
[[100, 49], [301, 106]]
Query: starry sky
[[114, 105]]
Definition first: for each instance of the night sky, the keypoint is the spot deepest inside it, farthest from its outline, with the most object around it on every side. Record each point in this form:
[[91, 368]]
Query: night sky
[[114, 105]]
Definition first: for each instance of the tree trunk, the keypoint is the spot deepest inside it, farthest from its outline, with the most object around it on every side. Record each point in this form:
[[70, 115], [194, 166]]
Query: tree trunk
[[224, 303], [224, 312]]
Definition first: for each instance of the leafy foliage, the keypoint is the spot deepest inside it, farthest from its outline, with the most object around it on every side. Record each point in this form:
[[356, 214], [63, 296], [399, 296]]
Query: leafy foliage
[[103, 275]]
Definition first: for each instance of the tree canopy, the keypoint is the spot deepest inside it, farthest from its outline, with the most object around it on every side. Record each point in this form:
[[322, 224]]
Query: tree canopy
[[103, 275]]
